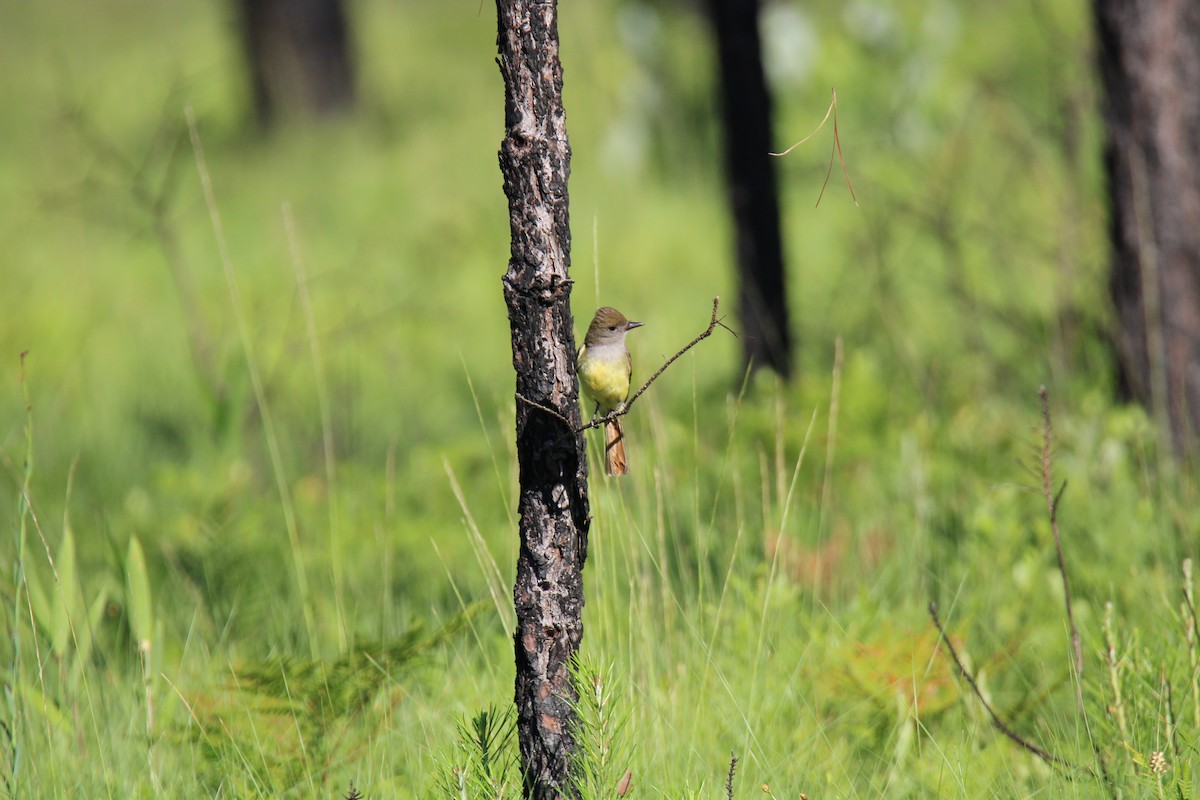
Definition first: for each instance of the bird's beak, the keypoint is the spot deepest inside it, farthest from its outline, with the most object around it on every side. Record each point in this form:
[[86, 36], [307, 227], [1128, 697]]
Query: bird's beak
[[631, 325]]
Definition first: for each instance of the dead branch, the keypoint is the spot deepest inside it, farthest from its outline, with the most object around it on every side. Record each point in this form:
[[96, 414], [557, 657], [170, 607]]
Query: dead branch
[[713, 323], [596, 422], [837, 148], [1052, 502], [1000, 725]]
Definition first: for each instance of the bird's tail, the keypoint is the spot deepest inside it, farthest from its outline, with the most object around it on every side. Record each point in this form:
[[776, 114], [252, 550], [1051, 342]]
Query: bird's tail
[[614, 449]]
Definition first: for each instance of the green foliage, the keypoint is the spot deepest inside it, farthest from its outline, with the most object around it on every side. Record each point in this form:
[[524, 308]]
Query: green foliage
[[1148, 690], [757, 584], [484, 762], [63, 616], [485, 759], [141, 604], [601, 740], [286, 723]]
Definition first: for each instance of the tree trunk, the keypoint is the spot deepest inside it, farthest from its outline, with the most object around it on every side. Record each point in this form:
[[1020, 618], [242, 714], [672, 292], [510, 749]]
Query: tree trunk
[[1149, 60], [298, 55], [553, 505], [753, 188]]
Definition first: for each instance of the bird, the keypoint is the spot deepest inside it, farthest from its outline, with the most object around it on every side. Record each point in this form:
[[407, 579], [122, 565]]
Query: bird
[[605, 368]]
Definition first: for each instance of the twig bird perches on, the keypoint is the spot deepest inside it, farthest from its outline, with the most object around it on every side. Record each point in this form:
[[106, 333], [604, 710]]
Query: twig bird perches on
[[713, 324], [604, 419]]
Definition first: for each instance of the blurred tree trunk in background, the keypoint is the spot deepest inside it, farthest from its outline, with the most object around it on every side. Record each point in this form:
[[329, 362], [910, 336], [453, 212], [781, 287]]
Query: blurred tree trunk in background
[[752, 185], [1149, 60], [535, 161], [299, 57]]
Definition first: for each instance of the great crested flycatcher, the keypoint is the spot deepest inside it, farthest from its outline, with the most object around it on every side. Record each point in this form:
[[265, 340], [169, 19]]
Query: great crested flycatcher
[[605, 368]]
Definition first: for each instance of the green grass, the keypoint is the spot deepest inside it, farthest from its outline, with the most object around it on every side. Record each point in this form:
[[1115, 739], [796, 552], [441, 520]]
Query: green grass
[[192, 616]]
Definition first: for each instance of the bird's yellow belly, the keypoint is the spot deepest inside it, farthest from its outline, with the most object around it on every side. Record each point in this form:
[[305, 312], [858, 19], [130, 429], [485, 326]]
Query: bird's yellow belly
[[606, 383]]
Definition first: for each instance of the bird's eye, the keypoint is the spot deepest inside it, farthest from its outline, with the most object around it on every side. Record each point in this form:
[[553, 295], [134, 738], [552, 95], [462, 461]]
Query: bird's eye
[[612, 327]]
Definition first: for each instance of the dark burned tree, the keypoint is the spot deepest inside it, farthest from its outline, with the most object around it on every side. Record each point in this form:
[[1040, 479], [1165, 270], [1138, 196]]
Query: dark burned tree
[[553, 505], [752, 185], [299, 57], [1149, 60]]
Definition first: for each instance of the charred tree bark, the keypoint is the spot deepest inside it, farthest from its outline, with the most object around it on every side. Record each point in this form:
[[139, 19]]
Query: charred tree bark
[[1149, 61], [752, 185], [535, 162], [299, 57]]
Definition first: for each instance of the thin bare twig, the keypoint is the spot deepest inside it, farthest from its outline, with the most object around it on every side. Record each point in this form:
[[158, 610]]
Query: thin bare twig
[[837, 147], [1052, 502], [729, 778], [548, 410], [1000, 725], [828, 112], [837, 141], [624, 409], [596, 422]]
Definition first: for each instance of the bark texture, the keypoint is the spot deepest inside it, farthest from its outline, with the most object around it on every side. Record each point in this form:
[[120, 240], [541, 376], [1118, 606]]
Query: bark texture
[[553, 506], [752, 185], [1149, 61], [299, 57]]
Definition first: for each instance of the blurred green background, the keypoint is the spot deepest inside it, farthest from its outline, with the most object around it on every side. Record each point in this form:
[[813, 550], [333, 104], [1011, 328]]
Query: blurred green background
[[758, 582]]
